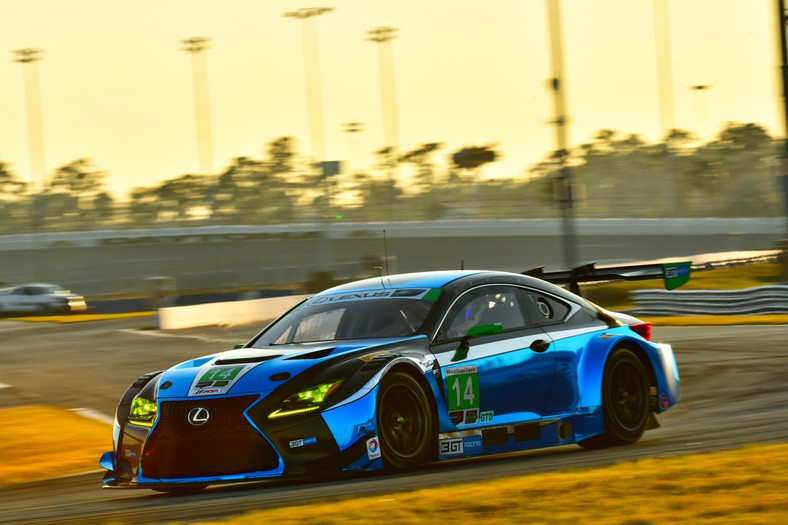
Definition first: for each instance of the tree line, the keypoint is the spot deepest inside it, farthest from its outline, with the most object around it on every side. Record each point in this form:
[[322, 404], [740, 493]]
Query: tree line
[[613, 175]]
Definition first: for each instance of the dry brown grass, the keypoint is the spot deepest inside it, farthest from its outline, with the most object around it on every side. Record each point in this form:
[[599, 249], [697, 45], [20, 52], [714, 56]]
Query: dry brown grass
[[748, 485], [38, 442]]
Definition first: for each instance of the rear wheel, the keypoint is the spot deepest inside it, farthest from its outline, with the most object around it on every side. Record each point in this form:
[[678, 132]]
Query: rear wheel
[[406, 428], [625, 401]]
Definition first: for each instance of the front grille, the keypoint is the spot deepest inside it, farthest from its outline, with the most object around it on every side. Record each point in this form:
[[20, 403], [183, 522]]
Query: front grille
[[225, 444]]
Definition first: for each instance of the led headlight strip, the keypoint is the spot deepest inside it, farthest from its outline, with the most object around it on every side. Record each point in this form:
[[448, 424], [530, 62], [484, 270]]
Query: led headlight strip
[[306, 400]]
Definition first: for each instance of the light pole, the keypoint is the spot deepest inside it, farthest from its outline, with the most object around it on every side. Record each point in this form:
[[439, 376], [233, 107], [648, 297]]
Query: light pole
[[562, 183], [202, 112], [35, 133], [382, 36], [665, 99], [701, 108], [782, 18], [353, 129], [314, 103], [35, 127]]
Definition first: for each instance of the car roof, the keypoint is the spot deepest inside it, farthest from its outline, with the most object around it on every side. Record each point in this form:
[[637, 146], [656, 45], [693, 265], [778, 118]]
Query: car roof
[[453, 280], [436, 279]]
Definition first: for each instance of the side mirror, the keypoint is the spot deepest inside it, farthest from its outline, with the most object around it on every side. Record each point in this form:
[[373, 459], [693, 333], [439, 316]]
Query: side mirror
[[475, 331], [484, 329]]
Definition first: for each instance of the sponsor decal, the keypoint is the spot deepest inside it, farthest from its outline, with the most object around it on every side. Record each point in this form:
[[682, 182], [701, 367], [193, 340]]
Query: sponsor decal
[[463, 395], [448, 447], [410, 293], [198, 416], [205, 391], [472, 444], [664, 402], [676, 274], [373, 448], [301, 442], [130, 453], [486, 417]]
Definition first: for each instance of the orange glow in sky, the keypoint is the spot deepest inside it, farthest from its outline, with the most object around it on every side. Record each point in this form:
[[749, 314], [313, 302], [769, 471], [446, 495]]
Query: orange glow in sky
[[116, 88]]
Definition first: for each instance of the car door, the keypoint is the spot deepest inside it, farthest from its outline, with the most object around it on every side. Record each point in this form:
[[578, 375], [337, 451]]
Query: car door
[[18, 300], [570, 327], [503, 372], [32, 298]]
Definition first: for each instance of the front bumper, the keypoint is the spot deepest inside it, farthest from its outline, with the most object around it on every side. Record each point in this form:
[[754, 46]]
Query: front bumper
[[237, 443]]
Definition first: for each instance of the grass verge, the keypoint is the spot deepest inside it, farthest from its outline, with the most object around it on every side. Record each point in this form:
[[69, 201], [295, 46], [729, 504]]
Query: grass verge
[[746, 485], [740, 486], [80, 318], [38, 442]]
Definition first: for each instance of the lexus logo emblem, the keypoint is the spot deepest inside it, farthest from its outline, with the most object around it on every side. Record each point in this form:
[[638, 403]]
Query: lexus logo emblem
[[198, 416]]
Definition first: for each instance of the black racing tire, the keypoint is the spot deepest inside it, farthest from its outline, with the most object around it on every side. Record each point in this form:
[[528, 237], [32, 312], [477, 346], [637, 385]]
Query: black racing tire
[[625, 401], [406, 426]]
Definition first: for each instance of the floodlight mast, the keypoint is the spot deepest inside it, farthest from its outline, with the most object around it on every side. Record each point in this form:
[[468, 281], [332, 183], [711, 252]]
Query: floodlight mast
[[381, 36], [195, 47], [35, 127], [782, 18], [314, 101], [562, 183]]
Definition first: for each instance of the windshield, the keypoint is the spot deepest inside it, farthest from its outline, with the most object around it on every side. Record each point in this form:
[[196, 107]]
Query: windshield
[[365, 315]]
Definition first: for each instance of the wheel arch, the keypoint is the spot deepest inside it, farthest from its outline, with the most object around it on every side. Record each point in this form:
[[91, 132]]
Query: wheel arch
[[648, 365], [409, 368], [594, 359]]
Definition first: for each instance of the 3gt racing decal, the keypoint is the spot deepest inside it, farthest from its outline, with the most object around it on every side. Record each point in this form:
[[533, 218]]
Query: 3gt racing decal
[[217, 380], [373, 448], [448, 447], [460, 445], [462, 391], [301, 442]]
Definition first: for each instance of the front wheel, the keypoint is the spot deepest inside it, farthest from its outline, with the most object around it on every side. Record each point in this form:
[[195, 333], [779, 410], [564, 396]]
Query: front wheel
[[625, 401], [406, 428]]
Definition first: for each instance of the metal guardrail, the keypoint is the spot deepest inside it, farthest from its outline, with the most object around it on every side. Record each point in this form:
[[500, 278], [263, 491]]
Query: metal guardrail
[[771, 299]]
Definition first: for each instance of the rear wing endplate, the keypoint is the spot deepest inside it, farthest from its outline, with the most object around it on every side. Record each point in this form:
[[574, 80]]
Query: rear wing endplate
[[674, 274]]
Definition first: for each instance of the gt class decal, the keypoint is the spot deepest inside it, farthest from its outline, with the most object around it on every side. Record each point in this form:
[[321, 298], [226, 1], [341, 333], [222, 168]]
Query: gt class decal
[[217, 380], [462, 391]]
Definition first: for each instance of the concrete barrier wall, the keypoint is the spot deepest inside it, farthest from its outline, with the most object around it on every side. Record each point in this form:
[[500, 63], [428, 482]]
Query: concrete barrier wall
[[226, 314]]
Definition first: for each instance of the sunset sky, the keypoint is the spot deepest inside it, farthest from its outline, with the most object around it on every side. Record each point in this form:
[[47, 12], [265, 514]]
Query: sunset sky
[[116, 88]]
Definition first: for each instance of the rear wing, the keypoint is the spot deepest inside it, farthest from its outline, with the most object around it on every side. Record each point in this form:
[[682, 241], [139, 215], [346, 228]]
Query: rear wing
[[673, 274]]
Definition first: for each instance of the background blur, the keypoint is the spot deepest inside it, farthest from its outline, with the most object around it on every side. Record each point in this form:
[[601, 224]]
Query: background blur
[[310, 124]]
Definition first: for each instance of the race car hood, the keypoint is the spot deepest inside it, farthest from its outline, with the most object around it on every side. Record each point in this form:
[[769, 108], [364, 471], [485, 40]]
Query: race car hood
[[260, 370]]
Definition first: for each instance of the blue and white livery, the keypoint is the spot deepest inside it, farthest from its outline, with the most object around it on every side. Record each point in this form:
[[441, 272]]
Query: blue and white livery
[[393, 372]]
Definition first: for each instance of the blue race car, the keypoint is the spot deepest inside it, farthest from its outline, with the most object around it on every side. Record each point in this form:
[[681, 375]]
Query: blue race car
[[394, 372]]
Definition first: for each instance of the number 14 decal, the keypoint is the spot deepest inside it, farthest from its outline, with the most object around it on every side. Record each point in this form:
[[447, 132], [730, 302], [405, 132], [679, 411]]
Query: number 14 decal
[[463, 383]]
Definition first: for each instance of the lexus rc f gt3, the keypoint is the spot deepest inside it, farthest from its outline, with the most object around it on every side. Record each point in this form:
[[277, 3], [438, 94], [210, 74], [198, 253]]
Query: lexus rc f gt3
[[394, 372]]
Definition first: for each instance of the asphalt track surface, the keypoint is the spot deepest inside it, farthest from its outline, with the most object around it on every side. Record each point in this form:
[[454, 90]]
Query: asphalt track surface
[[733, 394]]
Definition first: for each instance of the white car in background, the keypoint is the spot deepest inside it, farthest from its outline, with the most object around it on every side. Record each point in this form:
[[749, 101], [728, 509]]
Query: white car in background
[[40, 298]]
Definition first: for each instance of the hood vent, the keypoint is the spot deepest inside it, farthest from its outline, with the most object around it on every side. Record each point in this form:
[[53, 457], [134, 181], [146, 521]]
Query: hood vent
[[243, 360], [317, 354]]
